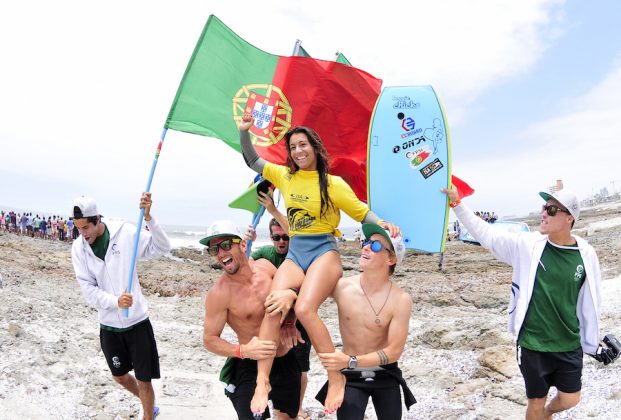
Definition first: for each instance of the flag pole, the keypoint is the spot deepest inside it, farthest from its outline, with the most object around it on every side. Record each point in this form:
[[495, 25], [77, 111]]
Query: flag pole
[[296, 47], [140, 218]]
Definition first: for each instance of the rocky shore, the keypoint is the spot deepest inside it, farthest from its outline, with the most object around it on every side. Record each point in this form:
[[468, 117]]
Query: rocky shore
[[459, 359]]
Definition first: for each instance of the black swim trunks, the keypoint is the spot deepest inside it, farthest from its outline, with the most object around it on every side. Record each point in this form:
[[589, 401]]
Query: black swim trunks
[[285, 380], [381, 384]]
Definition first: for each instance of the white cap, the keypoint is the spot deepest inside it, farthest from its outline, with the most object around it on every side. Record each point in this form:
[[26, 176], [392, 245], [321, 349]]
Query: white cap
[[566, 199], [84, 207], [397, 243], [221, 228]]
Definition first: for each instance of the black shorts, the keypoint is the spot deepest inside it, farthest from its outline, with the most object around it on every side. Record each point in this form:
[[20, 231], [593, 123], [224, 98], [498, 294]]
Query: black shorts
[[285, 380], [541, 370], [383, 389], [302, 350], [134, 349]]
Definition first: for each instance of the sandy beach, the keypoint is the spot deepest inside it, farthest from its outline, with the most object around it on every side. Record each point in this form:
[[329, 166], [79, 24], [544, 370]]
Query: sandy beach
[[459, 360]]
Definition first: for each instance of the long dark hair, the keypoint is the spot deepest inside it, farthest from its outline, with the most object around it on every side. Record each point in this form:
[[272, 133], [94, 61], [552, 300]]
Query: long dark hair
[[323, 163]]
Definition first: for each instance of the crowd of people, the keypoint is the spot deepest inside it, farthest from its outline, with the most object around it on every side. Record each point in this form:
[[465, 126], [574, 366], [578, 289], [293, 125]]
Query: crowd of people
[[25, 224], [489, 217]]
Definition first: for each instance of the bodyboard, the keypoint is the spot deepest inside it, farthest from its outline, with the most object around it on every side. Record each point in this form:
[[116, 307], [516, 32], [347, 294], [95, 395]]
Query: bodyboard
[[408, 163]]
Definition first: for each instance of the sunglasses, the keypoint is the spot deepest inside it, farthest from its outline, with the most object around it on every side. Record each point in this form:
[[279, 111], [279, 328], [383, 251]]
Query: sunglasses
[[552, 209], [376, 246], [225, 245], [279, 237]]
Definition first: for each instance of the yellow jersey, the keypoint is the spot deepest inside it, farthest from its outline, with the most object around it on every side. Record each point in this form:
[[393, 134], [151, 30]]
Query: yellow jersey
[[303, 200]]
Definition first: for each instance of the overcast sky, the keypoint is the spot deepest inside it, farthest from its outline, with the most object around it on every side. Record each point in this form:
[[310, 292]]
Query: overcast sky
[[531, 90]]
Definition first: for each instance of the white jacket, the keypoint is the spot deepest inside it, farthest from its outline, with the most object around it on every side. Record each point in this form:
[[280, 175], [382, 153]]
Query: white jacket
[[523, 251], [102, 282]]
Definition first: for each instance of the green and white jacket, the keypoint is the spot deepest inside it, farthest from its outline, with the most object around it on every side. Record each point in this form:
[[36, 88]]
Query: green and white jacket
[[523, 250]]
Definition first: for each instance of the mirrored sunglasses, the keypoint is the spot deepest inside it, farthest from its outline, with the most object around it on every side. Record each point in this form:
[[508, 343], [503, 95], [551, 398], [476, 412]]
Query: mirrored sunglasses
[[279, 237], [225, 245], [376, 246], [552, 209]]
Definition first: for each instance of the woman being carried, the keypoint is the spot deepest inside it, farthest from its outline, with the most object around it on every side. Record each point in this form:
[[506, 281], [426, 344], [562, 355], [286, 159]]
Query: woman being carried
[[313, 199]]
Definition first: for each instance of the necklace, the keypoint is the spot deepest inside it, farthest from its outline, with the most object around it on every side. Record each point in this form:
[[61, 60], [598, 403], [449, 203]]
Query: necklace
[[377, 320]]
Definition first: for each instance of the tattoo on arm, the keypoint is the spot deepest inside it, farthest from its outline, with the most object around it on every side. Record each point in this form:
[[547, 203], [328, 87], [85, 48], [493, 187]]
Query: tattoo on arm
[[382, 357]]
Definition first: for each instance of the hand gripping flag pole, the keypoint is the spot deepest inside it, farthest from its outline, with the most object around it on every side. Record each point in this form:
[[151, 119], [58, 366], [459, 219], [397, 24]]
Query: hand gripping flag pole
[[132, 267]]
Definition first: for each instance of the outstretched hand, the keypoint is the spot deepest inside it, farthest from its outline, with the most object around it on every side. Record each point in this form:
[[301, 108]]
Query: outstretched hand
[[452, 194], [246, 122]]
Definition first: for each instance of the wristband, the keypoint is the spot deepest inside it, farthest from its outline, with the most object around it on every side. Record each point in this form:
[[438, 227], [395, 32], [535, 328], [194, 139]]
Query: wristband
[[455, 203], [238, 352]]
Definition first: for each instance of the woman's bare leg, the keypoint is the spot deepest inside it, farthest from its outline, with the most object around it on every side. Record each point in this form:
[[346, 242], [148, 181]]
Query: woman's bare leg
[[321, 278], [288, 275]]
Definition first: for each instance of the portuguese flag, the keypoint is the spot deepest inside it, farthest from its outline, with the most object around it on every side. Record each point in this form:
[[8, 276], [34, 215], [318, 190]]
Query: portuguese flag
[[227, 77]]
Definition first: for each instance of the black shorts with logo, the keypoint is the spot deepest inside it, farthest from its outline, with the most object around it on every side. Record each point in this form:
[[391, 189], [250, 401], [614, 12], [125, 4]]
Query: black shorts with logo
[[133, 349], [541, 370]]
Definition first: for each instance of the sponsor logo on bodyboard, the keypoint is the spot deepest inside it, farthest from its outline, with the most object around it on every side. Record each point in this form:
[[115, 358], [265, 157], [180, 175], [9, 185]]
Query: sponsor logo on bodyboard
[[432, 168]]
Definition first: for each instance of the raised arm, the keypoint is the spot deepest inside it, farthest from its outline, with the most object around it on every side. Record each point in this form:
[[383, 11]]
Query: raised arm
[[267, 201], [252, 158]]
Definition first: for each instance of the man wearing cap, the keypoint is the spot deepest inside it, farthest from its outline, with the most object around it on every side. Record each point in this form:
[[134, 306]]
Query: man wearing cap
[[555, 299], [240, 298], [101, 259], [374, 318]]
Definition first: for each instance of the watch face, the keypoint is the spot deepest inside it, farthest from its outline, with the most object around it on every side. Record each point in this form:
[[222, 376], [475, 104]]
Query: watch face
[[353, 362]]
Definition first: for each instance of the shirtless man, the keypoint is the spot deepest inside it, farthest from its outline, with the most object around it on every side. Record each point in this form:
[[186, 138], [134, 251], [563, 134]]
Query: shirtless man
[[374, 317], [238, 298]]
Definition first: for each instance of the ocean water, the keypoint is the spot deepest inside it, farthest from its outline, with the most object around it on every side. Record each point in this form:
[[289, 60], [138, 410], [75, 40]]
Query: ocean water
[[188, 236]]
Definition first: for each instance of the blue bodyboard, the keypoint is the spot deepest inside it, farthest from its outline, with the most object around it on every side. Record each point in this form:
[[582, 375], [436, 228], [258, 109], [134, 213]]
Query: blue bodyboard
[[408, 163]]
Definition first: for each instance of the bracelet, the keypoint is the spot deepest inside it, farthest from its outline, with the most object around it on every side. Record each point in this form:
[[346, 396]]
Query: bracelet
[[238, 352], [380, 221], [455, 203]]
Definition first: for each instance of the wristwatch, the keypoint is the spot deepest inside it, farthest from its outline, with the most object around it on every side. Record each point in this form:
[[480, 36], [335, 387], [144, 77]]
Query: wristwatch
[[353, 362]]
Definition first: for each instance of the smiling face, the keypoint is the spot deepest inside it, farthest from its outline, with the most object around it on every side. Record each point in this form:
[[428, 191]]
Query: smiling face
[[302, 152], [559, 223], [376, 260], [230, 260]]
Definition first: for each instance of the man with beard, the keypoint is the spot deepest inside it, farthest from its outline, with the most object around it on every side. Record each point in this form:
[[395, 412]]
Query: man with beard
[[240, 298]]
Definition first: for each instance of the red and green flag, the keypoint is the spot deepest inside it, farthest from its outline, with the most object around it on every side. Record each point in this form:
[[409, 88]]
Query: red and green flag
[[227, 77]]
